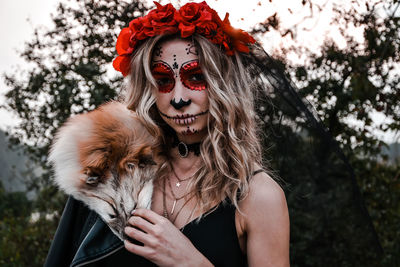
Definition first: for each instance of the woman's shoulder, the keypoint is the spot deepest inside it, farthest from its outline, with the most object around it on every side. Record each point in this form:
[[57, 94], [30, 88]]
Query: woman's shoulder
[[265, 201], [264, 190]]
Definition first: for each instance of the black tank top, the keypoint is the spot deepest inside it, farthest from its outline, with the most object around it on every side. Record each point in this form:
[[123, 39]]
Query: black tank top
[[214, 236]]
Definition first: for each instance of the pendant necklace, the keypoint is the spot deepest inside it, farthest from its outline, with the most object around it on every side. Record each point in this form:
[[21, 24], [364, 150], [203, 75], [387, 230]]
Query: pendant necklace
[[176, 199], [165, 212], [180, 180]]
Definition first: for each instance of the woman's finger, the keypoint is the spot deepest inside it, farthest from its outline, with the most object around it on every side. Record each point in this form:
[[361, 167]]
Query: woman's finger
[[141, 223], [137, 234], [149, 215]]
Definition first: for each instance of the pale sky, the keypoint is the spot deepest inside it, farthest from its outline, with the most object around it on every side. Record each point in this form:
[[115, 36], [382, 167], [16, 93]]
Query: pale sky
[[15, 29]]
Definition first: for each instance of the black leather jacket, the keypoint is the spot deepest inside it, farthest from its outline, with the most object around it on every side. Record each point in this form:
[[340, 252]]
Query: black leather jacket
[[81, 239]]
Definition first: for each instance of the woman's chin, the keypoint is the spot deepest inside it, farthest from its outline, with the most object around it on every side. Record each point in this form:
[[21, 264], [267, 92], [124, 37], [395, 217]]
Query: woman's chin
[[190, 134]]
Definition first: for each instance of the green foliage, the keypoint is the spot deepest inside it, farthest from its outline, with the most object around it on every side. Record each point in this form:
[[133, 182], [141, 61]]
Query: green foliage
[[23, 242], [381, 187], [348, 86], [354, 83]]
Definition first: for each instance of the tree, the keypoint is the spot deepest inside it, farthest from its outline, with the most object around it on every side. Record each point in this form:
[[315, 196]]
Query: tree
[[24, 240], [350, 85], [69, 66]]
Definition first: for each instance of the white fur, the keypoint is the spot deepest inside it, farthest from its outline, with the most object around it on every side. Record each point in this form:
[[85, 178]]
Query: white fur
[[64, 154]]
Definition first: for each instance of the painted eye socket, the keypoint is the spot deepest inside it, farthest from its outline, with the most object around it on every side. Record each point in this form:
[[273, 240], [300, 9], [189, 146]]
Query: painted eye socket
[[164, 77], [192, 77]]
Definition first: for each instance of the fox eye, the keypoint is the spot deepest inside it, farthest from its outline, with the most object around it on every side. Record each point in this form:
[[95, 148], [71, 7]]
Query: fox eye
[[146, 160], [92, 180], [130, 165]]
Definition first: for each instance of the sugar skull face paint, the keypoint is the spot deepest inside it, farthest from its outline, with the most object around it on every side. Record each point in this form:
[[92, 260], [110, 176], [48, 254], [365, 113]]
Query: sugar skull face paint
[[164, 76], [181, 94], [190, 74]]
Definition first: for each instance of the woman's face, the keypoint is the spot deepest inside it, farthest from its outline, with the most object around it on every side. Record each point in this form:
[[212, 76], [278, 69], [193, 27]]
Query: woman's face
[[181, 96]]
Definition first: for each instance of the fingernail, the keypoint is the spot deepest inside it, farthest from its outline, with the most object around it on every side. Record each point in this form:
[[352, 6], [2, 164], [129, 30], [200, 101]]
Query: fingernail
[[133, 211]]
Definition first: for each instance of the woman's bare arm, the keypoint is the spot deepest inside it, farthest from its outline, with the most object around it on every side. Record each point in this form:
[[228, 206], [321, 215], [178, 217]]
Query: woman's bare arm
[[266, 223]]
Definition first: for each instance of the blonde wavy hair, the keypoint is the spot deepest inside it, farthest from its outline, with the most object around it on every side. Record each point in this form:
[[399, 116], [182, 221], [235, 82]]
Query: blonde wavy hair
[[231, 151]]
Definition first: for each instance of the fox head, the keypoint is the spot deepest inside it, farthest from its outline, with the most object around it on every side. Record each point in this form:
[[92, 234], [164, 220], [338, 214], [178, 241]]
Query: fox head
[[107, 159]]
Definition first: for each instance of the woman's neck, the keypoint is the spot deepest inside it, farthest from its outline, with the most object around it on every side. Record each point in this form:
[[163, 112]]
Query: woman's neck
[[184, 165]]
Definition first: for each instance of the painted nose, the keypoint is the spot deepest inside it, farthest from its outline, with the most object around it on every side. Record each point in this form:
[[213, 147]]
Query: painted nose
[[180, 104], [180, 97]]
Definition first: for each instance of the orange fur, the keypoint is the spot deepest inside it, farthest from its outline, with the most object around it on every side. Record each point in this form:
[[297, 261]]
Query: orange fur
[[113, 141]]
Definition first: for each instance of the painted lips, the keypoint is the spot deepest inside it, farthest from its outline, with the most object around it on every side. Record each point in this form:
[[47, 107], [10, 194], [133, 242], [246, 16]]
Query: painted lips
[[184, 119]]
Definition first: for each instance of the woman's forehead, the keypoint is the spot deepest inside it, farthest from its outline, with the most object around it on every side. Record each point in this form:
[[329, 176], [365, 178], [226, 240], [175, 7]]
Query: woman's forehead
[[176, 49]]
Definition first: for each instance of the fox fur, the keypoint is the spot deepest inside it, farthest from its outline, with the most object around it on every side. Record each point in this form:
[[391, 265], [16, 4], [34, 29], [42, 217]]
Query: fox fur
[[106, 158]]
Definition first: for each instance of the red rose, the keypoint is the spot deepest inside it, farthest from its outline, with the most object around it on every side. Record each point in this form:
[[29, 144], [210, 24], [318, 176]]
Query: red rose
[[190, 15], [211, 31], [189, 12], [122, 64], [123, 42], [140, 29], [162, 19]]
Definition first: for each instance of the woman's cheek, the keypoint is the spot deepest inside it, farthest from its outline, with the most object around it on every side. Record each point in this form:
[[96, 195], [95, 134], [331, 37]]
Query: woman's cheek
[[162, 102]]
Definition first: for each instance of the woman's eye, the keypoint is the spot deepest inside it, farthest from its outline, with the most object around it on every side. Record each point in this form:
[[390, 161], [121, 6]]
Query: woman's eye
[[163, 81], [194, 80], [192, 77], [164, 77], [196, 77]]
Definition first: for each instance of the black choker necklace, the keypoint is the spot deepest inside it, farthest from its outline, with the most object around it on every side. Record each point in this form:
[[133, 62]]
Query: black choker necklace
[[184, 149]]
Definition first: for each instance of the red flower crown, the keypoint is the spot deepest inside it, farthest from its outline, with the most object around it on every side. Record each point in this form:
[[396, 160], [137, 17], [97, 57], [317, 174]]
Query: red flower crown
[[189, 19]]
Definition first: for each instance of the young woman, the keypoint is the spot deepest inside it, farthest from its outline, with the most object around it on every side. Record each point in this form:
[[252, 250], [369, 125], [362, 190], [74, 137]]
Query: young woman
[[213, 203]]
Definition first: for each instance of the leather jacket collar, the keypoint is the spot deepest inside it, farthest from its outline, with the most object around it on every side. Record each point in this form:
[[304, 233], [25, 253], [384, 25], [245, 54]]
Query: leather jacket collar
[[81, 238], [100, 242]]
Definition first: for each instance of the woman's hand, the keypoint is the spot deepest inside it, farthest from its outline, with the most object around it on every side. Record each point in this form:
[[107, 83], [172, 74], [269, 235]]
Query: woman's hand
[[163, 243]]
